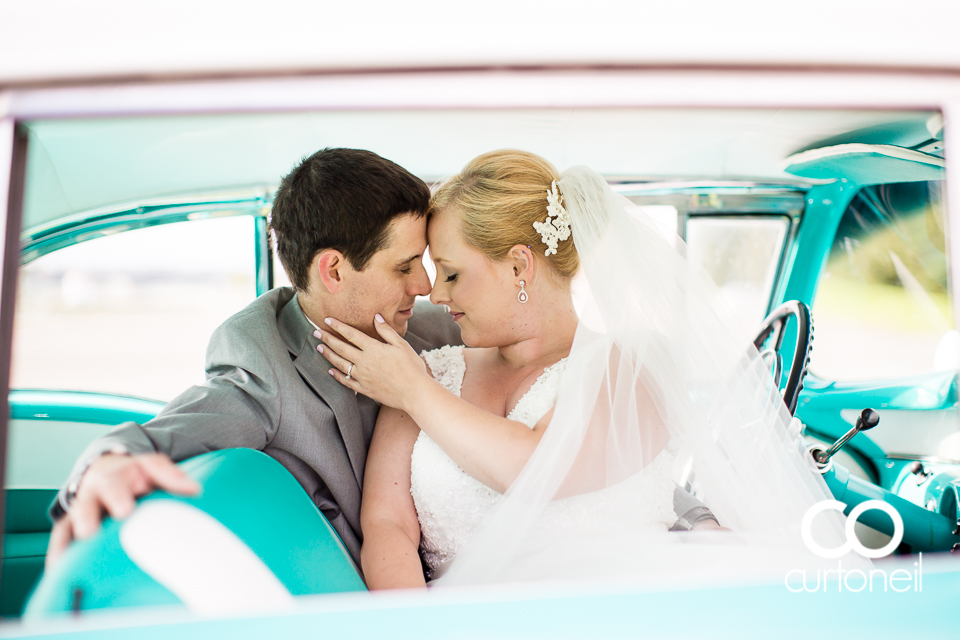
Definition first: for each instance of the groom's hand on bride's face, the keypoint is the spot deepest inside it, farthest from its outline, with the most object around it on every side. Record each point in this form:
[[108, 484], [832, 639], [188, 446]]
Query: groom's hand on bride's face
[[387, 371]]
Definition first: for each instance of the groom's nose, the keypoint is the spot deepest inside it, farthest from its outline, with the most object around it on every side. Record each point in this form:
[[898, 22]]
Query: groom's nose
[[419, 283]]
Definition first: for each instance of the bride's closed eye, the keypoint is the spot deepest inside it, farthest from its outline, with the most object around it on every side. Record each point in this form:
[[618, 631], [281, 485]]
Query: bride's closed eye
[[452, 277]]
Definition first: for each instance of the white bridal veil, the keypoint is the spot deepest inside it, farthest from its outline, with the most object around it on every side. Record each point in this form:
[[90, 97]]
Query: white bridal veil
[[657, 357]]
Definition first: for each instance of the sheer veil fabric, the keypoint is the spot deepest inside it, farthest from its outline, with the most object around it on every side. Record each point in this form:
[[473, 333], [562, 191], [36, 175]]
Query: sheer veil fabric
[[658, 364]]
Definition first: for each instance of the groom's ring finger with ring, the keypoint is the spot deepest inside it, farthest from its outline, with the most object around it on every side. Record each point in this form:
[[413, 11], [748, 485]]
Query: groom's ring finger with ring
[[349, 371]]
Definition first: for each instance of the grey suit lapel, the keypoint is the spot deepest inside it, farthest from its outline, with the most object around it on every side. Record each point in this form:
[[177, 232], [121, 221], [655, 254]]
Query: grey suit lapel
[[313, 367]]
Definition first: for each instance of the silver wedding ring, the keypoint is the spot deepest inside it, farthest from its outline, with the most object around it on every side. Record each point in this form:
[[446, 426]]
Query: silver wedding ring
[[349, 370]]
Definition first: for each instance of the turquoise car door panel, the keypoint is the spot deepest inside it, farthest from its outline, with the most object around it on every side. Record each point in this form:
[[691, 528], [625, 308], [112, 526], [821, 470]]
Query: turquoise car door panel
[[250, 494]]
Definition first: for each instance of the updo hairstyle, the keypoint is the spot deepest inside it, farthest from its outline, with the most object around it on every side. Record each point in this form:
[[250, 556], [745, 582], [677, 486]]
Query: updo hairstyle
[[497, 198]]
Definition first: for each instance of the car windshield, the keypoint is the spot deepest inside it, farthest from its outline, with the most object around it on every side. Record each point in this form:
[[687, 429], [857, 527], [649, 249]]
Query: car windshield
[[886, 274]]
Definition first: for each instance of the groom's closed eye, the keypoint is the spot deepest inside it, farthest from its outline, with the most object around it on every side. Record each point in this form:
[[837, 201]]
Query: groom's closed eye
[[406, 267]]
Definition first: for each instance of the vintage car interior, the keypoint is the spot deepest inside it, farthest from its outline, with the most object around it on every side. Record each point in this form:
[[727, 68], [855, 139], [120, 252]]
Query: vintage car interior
[[141, 234]]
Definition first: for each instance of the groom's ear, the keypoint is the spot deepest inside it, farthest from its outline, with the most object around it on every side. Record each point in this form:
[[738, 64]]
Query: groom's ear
[[329, 266]]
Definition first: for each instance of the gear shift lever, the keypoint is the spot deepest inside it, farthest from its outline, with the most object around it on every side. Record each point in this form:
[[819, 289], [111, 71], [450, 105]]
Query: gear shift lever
[[868, 420]]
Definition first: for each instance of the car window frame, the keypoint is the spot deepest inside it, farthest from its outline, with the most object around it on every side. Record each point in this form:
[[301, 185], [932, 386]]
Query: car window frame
[[90, 225], [730, 199]]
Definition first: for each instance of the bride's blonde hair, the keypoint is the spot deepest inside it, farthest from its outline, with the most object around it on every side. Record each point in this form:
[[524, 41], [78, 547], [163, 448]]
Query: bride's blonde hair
[[497, 198]]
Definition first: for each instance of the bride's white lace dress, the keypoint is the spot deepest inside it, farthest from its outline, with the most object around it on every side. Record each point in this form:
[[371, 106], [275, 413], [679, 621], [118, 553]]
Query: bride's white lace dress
[[452, 504]]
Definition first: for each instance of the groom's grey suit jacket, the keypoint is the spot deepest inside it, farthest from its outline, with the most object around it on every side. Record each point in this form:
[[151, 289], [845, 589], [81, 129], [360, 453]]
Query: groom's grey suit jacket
[[267, 388]]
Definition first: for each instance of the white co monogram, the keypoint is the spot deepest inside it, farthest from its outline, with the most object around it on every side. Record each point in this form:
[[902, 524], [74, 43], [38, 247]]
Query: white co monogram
[[852, 541]]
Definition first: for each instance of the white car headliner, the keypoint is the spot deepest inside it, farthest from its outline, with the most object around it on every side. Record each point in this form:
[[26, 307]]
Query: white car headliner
[[80, 164]]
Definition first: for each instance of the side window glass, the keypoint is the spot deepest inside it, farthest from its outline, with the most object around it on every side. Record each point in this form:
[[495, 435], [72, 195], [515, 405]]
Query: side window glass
[[883, 306], [131, 313], [742, 255]]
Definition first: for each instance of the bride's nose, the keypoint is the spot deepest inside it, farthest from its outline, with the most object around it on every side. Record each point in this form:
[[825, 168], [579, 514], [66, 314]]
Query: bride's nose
[[438, 294]]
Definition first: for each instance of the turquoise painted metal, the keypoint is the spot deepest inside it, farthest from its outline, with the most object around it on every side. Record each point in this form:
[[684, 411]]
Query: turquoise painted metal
[[923, 530], [247, 491], [808, 252], [934, 485], [262, 257], [811, 247], [81, 406], [88, 225], [822, 401]]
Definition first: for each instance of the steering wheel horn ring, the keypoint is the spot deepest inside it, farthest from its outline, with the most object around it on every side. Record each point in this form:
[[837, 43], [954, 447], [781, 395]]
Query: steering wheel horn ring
[[776, 323]]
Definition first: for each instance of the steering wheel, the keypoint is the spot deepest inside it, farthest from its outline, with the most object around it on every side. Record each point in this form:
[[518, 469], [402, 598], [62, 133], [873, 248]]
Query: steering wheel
[[775, 324]]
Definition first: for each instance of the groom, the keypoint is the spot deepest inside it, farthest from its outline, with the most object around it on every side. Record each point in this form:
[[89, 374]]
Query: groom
[[351, 232]]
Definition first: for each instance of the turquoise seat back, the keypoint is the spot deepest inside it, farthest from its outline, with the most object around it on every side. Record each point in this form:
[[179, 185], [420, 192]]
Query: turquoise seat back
[[248, 492]]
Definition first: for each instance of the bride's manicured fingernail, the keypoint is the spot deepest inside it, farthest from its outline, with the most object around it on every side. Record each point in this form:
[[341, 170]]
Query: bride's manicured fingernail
[[379, 318], [328, 321], [330, 371], [320, 348], [318, 333]]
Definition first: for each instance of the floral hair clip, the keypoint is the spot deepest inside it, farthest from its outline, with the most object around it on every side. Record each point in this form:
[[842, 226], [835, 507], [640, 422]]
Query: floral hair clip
[[557, 225]]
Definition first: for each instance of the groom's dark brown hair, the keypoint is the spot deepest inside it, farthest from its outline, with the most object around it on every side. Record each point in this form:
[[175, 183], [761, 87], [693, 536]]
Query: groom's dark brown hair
[[341, 199]]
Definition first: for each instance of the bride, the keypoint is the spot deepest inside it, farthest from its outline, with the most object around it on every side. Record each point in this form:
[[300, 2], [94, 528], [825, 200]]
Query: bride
[[550, 445]]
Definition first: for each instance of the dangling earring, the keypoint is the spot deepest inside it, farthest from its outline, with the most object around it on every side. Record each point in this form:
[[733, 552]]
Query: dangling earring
[[522, 297]]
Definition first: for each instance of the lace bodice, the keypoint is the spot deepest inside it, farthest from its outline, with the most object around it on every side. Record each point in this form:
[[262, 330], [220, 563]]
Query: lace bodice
[[451, 504]]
